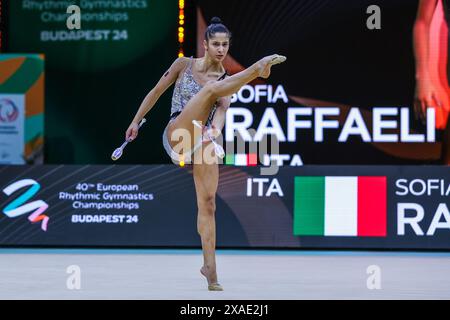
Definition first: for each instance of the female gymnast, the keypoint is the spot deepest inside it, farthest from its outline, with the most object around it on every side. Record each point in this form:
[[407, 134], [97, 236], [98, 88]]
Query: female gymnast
[[432, 86], [199, 95]]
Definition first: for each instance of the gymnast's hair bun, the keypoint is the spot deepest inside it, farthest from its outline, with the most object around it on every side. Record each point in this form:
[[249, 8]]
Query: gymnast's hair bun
[[216, 25], [215, 20]]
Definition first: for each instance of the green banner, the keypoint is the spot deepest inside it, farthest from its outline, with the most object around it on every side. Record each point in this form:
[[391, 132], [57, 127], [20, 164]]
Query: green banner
[[98, 72], [112, 33]]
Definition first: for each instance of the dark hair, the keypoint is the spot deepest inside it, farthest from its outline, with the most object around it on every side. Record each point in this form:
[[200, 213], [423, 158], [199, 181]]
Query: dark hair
[[215, 26]]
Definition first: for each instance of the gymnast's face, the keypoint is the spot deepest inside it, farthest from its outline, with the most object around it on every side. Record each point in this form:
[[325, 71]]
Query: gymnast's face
[[217, 46]]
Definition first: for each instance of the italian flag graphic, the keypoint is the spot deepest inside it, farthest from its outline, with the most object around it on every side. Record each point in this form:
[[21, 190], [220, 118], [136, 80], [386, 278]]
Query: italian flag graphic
[[245, 160], [340, 206]]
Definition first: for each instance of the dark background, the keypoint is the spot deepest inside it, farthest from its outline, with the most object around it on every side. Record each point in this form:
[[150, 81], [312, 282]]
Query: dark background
[[332, 57]]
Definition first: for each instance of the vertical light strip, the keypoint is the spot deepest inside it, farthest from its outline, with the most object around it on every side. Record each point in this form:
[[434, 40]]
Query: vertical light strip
[[181, 28]]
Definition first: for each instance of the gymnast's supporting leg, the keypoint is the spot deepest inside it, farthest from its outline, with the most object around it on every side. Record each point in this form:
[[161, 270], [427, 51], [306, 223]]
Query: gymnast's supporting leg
[[206, 178]]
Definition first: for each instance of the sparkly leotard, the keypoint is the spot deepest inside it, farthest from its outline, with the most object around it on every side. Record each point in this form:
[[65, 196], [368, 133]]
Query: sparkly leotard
[[184, 90]]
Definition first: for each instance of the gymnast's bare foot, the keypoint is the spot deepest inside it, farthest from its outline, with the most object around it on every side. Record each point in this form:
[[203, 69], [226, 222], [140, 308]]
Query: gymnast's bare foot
[[211, 276], [266, 63]]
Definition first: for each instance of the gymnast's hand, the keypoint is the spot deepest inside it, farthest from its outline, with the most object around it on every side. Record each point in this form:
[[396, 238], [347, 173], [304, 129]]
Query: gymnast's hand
[[212, 132], [132, 131], [426, 96]]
